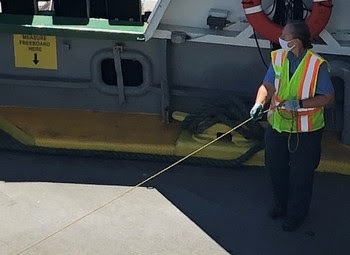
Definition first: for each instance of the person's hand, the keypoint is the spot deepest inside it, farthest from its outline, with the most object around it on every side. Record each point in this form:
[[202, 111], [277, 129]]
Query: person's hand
[[257, 111], [292, 105]]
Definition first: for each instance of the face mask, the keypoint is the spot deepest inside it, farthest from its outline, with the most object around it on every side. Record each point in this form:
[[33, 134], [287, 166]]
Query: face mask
[[284, 45]]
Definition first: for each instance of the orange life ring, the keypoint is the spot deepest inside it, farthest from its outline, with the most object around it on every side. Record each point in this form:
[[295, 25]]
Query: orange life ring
[[317, 21]]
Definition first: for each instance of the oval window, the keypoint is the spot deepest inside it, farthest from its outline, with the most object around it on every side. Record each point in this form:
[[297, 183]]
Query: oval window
[[131, 69]]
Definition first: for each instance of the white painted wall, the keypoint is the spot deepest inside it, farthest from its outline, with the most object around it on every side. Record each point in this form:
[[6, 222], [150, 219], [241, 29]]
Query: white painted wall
[[194, 13]]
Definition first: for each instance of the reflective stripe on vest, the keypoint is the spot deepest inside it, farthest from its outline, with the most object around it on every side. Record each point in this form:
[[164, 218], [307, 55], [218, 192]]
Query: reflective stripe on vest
[[306, 90], [302, 86], [308, 81], [278, 58]]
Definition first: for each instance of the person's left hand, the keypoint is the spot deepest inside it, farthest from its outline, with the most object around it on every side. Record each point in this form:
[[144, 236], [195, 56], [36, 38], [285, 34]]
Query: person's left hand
[[292, 105]]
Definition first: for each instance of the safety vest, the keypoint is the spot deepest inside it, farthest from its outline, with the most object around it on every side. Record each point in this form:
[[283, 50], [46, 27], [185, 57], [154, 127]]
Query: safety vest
[[301, 85]]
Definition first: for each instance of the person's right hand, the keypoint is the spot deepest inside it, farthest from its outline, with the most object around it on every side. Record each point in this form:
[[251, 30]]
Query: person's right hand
[[257, 111]]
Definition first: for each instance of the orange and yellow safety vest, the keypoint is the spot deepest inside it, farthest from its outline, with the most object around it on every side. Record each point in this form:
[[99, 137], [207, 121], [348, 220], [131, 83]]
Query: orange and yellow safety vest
[[301, 85]]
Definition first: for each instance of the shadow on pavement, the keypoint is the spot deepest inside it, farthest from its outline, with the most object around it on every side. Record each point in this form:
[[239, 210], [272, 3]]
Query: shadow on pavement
[[230, 205]]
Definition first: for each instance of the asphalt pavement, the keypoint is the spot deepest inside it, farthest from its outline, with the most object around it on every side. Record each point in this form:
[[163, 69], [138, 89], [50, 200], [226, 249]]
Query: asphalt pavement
[[187, 210]]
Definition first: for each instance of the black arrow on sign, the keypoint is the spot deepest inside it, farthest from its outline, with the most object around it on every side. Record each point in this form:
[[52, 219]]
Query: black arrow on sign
[[36, 61]]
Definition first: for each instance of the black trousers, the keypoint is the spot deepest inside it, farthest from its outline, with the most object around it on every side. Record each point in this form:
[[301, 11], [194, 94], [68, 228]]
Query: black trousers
[[292, 173]]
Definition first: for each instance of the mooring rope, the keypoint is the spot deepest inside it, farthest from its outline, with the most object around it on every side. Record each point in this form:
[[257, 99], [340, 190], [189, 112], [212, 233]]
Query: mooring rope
[[135, 187]]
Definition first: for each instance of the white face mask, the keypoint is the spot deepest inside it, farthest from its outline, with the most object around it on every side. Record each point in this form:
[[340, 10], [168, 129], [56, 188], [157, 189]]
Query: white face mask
[[284, 45]]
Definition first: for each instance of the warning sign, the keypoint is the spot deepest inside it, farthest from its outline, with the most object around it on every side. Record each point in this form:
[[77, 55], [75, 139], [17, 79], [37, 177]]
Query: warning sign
[[35, 51]]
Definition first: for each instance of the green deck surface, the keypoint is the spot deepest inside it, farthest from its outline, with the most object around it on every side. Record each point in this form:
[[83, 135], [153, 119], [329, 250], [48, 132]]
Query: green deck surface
[[71, 27]]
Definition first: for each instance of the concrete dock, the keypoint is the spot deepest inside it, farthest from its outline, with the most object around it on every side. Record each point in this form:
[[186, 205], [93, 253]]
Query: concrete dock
[[189, 210]]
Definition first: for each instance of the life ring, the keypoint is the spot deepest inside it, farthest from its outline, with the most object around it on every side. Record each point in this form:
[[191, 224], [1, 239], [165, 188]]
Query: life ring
[[317, 21]]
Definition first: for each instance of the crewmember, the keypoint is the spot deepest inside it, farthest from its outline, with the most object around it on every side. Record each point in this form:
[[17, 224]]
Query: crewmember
[[299, 86]]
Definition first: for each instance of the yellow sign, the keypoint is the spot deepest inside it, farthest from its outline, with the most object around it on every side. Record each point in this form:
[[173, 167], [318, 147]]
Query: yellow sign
[[35, 51]]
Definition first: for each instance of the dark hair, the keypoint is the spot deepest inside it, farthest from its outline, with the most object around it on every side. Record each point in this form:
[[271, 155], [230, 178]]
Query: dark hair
[[301, 31]]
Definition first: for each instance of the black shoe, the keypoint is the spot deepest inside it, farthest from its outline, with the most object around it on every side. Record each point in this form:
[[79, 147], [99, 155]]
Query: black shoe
[[276, 213], [291, 224]]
